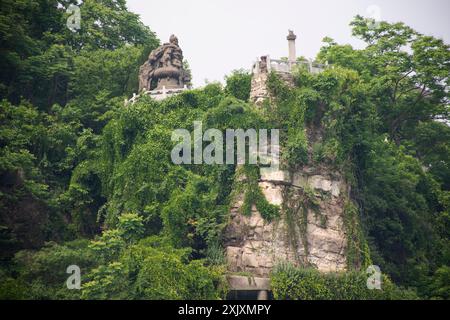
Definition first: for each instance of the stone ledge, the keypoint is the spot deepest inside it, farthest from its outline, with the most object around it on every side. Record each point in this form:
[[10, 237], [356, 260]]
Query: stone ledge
[[274, 176], [248, 283]]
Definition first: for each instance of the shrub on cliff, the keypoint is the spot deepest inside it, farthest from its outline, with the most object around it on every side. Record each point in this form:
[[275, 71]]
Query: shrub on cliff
[[292, 283]]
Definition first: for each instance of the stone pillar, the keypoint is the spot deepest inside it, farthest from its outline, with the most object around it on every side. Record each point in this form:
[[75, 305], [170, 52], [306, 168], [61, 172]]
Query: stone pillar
[[291, 41], [262, 295]]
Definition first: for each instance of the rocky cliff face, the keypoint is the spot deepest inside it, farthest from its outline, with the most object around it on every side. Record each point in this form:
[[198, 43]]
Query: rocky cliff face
[[258, 91], [309, 232]]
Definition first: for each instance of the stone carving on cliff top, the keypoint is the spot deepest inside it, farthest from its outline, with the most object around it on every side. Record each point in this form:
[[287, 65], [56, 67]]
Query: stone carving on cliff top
[[164, 68]]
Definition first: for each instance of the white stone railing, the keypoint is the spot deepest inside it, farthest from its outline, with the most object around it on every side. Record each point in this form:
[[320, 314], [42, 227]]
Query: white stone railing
[[280, 65], [286, 66], [159, 94]]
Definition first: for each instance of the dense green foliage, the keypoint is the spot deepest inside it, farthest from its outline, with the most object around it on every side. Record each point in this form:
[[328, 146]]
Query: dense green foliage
[[288, 282], [238, 84], [62, 87], [117, 265], [88, 181], [189, 201], [367, 116], [400, 187]]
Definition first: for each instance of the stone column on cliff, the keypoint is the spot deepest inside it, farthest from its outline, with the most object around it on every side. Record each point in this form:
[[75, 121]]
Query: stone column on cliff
[[291, 41]]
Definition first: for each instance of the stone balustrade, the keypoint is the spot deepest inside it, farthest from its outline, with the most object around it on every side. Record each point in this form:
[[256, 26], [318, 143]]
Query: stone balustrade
[[157, 94]]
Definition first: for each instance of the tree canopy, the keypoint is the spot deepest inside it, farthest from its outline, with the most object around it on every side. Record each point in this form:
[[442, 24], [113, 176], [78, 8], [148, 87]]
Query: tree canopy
[[86, 180]]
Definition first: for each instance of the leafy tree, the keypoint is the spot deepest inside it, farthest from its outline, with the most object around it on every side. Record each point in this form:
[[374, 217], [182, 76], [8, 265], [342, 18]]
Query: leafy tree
[[288, 282], [42, 274], [440, 285], [238, 84], [74, 81], [404, 75]]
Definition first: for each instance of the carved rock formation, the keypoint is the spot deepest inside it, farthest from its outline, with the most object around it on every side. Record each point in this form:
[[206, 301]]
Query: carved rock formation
[[164, 68]]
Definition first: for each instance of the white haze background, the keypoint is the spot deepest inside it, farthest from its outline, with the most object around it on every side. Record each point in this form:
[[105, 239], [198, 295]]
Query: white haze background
[[218, 36]]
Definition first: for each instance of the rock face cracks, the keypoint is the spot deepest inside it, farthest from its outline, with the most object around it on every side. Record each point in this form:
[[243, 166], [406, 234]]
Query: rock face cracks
[[310, 229]]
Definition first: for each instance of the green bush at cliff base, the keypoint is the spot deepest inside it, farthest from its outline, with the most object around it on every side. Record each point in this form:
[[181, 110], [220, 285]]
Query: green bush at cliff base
[[292, 283]]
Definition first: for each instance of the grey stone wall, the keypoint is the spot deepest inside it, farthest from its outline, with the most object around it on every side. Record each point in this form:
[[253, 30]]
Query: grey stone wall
[[255, 245]]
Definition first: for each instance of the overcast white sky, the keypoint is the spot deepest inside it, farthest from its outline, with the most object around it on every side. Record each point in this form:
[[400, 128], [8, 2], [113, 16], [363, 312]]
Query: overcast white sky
[[218, 36]]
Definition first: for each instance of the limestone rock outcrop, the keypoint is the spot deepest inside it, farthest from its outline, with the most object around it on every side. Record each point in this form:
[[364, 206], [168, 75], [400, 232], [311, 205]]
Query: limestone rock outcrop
[[259, 91], [302, 235]]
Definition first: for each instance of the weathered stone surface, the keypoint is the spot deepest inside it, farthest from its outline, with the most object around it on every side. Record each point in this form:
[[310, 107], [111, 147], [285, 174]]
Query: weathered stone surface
[[317, 182], [272, 192], [233, 255], [299, 180], [336, 188], [248, 283], [320, 183], [273, 175], [259, 91], [255, 245]]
